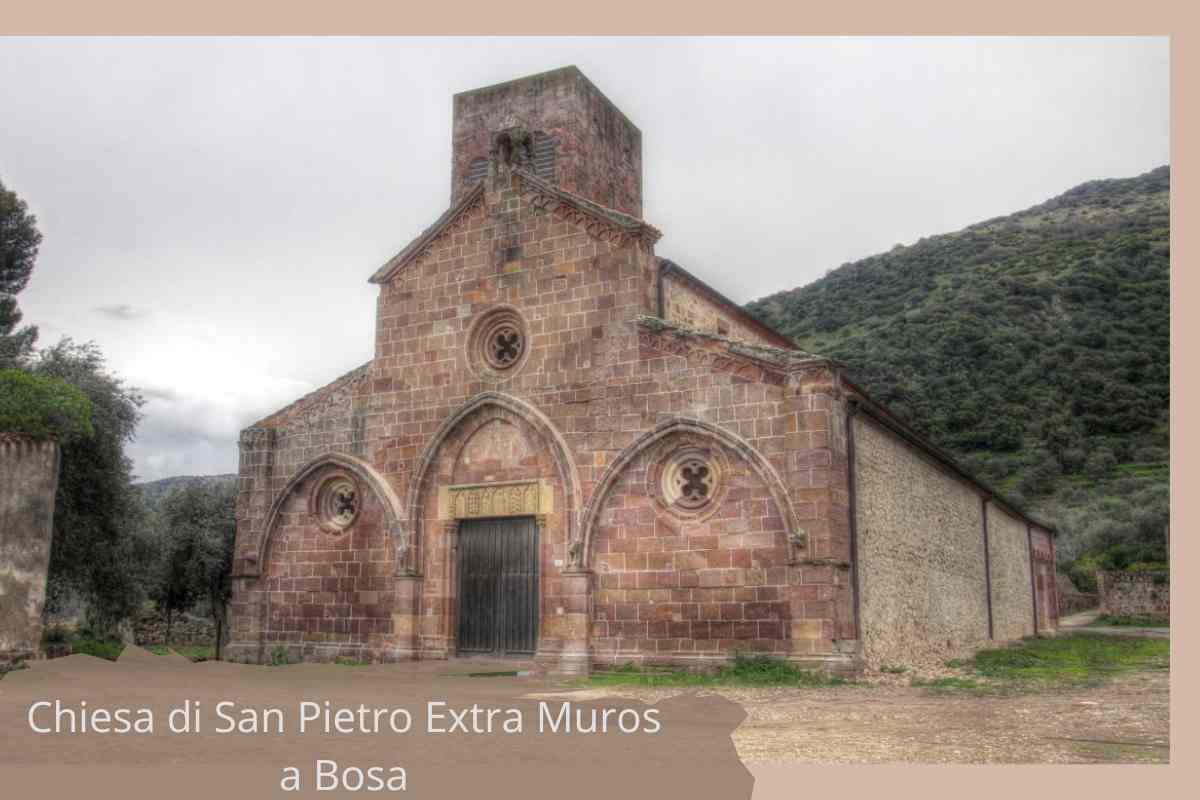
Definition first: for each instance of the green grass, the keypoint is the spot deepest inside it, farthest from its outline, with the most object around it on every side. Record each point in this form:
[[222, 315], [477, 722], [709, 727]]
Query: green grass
[[1058, 662], [346, 661], [89, 644], [1132, 622], [948, 684], [745, 670], [193, 652]]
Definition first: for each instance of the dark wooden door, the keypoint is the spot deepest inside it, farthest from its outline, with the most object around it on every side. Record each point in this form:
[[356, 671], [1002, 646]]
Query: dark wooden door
[[497, 586]]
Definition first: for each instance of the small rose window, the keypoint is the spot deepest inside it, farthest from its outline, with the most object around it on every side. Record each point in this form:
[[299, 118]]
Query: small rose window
[[499, 343], [337, 504], [690, 480], [504, 346]]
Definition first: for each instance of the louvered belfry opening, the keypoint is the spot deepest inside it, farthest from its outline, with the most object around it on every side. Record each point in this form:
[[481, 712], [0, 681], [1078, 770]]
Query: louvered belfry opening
[[541, 163], [498, 586], [477, 171], [543, 155]]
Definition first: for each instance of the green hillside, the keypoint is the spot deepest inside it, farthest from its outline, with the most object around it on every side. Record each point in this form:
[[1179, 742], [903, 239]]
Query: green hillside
[[1033, 347], [155, 492]]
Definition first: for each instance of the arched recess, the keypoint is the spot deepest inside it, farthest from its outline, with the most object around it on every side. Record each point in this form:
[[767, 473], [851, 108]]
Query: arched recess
[[392, 509], [735, 443], [561, 455]]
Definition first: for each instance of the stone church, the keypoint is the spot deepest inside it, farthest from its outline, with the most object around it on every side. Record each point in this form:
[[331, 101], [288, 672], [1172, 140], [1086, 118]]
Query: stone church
[[574, 452]]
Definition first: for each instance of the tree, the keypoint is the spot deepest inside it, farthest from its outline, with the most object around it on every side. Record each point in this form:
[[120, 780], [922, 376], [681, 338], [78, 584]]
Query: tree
[[200, 529], [98, 551], [19, 241], [173, 587]]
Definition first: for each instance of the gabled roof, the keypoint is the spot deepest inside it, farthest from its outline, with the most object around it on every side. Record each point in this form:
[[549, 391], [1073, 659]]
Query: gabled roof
[[553, 198], [314, 399], [418, 245], [668, 267], [599, 221], [779, 357]]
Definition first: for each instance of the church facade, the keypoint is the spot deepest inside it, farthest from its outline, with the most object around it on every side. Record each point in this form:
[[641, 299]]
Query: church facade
[[569, 450]]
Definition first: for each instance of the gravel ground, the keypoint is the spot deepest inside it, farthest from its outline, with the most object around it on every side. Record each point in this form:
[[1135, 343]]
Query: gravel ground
[[885, 720]]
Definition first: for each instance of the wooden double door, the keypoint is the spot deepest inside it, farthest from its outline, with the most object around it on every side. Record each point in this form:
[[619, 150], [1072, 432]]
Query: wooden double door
[[498, 586]]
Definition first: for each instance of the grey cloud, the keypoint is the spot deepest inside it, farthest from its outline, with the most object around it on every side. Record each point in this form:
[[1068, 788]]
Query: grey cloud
[[122, 311]]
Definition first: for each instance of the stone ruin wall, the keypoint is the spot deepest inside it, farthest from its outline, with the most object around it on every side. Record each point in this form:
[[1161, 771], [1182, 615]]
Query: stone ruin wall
[[28, 482], [1135, 594]]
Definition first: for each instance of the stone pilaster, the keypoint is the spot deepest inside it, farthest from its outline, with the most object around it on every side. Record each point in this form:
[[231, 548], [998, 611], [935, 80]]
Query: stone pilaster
[[248, 607]]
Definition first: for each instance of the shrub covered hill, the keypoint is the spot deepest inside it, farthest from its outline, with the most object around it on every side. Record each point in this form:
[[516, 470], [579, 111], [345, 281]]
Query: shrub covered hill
[[1033, 347], [155, 492]]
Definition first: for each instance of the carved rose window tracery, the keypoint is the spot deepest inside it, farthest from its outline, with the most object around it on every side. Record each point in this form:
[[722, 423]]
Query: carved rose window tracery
[[498, 344], [694, 480], [688, 481], [337, 504], [506, 346]]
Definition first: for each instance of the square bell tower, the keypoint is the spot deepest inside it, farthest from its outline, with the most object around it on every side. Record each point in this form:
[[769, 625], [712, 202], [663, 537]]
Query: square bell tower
[[557, 125]]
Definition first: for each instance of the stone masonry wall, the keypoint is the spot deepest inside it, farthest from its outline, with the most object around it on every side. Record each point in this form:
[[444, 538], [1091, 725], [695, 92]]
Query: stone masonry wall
[[28, 482], [923, 595], [671, 588], [685, 305], [598, 151], [329, 594], [1135, 594], [1012, 593]]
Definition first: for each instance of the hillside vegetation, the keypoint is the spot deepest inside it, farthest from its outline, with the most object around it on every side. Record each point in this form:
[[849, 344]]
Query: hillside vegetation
[[1033, 347], [155, 492]]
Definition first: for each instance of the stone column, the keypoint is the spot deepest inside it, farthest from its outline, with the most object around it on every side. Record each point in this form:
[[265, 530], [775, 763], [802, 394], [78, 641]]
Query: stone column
[[575, 624], [406, 618], [28, 483], [406, 609]]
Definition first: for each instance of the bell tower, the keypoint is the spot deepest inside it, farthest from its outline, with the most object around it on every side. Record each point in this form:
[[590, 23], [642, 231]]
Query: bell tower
[[556, 125]]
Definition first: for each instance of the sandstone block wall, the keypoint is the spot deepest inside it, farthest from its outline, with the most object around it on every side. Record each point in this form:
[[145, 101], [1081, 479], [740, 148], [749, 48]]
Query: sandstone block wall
[[28, 482], [671, 588], [1045, 590], [686, 304], [598, 151], [329, 594]]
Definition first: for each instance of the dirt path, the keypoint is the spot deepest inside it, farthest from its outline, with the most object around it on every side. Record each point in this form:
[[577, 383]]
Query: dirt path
[[1082, 623], [1124, 721]]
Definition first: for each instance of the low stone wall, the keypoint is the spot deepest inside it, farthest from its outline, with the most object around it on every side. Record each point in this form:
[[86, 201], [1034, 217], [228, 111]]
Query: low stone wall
[[1070, 599], [1135, 594], [1074, 602], [28, 482], [151, 628]]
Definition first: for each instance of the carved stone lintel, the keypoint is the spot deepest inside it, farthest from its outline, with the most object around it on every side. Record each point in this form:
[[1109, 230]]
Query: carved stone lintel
[[495, 500]]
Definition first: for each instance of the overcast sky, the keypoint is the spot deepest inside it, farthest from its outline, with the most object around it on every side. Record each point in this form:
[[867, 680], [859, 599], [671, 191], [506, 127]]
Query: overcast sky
[[212, 208]]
